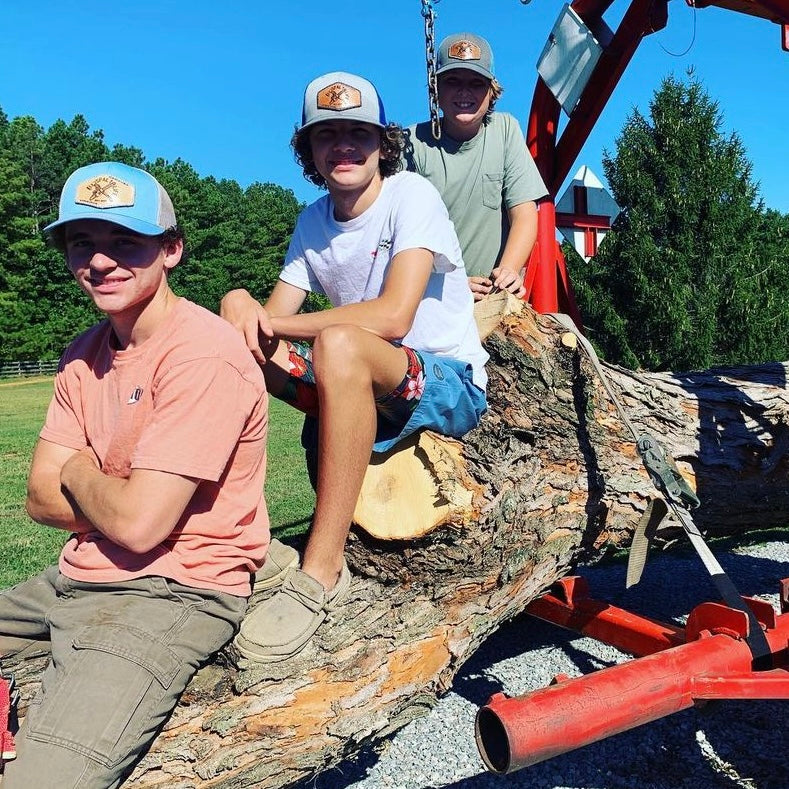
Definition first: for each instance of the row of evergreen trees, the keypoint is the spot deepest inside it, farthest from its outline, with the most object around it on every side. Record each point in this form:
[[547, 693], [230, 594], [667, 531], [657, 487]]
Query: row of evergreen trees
[[235, 237], [693, 274]]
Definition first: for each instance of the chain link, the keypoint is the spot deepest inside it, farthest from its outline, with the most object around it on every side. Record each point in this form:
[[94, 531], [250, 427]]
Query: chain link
[[430, 57]]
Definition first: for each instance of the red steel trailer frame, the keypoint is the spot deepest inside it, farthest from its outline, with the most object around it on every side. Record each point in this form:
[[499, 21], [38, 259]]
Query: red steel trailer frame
[[674, 667], [547, 283]]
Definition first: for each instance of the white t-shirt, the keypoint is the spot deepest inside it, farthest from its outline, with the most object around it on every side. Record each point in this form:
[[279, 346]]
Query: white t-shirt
[[348, 262]]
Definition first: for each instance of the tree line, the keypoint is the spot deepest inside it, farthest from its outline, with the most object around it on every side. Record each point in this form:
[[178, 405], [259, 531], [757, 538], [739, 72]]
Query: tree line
[[692, 275], [234, 236], [695, 271]]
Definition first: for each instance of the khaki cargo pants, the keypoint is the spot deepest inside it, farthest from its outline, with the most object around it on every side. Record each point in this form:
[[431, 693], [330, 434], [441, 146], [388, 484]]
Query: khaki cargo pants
[[122, 653]]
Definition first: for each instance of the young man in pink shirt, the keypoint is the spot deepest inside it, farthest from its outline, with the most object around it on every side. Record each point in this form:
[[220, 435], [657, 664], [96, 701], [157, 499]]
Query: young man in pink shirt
[[153, 456]]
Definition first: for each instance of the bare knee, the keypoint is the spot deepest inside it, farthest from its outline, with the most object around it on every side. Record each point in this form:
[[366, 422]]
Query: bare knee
[[337, 354]]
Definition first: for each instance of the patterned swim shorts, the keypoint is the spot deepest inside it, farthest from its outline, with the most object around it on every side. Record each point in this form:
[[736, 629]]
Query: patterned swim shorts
[[396, 407]]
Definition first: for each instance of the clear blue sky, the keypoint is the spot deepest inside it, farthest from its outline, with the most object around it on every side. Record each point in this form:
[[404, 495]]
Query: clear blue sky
[[220, 84]]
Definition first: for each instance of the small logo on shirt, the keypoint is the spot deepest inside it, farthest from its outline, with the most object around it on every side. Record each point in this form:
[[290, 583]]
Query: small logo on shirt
[[135, 396], [384, 243]]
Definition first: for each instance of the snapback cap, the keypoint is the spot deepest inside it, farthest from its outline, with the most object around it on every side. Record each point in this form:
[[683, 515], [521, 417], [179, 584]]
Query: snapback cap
[[465, 50], [339, 95], [119, 193]]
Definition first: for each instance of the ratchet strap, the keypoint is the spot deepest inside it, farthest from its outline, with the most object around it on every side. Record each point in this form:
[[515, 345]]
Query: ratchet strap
[[645, 532], [676, 496]]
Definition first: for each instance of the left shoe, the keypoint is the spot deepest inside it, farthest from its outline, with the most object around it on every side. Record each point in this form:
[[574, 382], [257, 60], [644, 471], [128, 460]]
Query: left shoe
[[282, 626], [279, 559]]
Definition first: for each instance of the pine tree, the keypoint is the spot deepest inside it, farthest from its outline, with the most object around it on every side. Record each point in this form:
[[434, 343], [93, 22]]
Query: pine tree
[[683, 279]]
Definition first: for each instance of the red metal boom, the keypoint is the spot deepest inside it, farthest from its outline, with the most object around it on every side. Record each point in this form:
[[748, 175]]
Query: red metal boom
[[707, 659], [547, 283]]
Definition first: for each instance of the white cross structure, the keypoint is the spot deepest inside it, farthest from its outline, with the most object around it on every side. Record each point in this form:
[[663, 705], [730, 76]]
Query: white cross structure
[[585, 213]]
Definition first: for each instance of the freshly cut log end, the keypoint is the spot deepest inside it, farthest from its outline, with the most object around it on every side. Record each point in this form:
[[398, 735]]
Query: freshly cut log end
[[424, 482], [415, 488], [489, 312]]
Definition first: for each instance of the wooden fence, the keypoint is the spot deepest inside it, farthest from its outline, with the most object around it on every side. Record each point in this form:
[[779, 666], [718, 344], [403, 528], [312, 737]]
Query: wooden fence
[[21, 369]]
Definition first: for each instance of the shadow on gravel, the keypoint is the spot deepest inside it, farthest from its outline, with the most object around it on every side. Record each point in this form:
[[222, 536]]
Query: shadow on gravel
[[672, 585], [722, 745]]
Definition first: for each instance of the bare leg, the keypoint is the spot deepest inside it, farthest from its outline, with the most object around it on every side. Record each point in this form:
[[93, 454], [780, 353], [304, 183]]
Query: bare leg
[[352, 367], [275, 370]]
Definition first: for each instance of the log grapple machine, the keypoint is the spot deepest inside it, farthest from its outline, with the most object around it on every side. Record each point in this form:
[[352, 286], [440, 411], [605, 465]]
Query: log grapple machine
[[737, 648]]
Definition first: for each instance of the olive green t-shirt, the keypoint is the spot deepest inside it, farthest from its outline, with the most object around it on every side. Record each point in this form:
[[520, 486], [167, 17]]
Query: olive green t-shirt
[[478, 179]]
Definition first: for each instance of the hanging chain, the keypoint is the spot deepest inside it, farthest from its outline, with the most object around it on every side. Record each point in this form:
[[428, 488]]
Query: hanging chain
[[430, 56]]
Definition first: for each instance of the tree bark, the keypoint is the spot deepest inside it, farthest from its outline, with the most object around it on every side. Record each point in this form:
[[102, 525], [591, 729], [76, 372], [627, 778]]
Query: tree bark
[[552, 477]]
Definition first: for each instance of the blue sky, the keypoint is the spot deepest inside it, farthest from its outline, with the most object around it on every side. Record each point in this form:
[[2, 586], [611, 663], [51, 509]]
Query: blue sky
[[220, 84]]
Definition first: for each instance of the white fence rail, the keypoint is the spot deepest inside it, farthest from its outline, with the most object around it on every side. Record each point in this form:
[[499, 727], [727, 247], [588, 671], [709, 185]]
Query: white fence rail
[[22, 369]]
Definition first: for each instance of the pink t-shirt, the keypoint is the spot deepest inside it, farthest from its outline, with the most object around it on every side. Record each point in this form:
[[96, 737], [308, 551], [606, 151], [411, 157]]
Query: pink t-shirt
[[190, 400]]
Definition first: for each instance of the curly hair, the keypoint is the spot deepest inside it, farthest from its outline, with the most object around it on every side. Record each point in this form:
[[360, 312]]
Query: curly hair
[[391, 148], [496, 89]]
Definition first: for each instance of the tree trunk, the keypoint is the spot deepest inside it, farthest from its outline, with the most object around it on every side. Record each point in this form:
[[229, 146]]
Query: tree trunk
[[551, 476]]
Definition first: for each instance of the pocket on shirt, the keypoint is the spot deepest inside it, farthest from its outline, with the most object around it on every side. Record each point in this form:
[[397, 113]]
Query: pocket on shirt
[[492, 185]]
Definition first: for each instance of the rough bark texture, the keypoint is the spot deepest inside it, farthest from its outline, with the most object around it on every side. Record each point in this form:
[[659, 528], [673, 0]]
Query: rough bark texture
[[554, 476]]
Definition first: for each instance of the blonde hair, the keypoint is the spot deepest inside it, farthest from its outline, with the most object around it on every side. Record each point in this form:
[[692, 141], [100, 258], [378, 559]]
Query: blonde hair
[[496, 90]]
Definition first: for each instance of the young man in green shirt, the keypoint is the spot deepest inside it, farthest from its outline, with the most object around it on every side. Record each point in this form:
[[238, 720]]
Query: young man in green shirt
[[480, 166]]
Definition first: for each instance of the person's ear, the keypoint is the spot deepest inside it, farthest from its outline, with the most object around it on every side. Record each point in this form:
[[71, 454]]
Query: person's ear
[[173, 252]]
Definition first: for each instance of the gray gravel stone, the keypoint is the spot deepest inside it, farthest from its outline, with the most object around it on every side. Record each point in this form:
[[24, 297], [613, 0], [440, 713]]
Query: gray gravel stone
[[723, 744]]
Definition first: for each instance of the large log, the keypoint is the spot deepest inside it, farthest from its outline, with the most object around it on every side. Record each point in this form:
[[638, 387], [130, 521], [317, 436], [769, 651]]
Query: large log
[[551, 477]]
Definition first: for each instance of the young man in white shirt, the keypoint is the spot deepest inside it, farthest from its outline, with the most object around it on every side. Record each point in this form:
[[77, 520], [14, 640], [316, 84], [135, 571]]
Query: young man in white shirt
[[397, 352]]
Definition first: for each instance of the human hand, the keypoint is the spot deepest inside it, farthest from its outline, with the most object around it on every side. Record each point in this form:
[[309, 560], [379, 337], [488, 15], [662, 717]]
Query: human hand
[[85, 459], [509, 280], [250, 318], [480, 287]]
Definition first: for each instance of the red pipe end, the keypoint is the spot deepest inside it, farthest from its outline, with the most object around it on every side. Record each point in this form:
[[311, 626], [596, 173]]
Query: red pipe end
[[492, 740]]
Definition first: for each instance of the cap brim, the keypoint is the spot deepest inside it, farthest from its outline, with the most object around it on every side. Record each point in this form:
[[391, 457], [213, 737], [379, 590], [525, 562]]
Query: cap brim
[[346, 115], [130, 223], [468, 67]]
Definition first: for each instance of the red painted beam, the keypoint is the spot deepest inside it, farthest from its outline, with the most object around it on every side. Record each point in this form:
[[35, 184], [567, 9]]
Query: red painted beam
[[513, 733], [583, 221], [714, 663], [568, 605]]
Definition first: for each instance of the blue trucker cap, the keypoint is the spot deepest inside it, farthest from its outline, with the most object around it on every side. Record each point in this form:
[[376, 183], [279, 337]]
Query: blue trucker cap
[[338, 96], [117, 193]]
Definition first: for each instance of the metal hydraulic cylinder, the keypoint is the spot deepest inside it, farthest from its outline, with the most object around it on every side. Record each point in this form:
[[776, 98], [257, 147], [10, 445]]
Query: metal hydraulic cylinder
[[516, 732]]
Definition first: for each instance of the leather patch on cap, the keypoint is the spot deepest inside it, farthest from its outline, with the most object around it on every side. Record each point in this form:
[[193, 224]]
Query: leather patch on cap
[[105, 191], [465, 50], [339, 96]]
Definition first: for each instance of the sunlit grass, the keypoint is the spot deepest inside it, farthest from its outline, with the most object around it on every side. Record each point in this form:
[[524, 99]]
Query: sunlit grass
[[26, 547]]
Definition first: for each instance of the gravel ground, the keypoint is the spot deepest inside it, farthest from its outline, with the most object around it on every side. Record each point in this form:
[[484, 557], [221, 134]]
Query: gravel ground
[[723, 744]]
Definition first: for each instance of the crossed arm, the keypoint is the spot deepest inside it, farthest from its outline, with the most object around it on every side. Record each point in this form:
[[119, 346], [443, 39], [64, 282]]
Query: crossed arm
[[67, 490]]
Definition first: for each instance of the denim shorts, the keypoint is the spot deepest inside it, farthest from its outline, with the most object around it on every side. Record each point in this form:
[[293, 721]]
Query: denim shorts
[[449, 402]]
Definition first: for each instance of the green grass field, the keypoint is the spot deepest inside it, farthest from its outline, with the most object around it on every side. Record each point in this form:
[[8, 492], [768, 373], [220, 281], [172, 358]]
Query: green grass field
[[26, 547]]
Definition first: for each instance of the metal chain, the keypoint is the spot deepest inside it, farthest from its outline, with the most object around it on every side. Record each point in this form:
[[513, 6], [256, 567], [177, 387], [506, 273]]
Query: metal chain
[[430, 56]]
